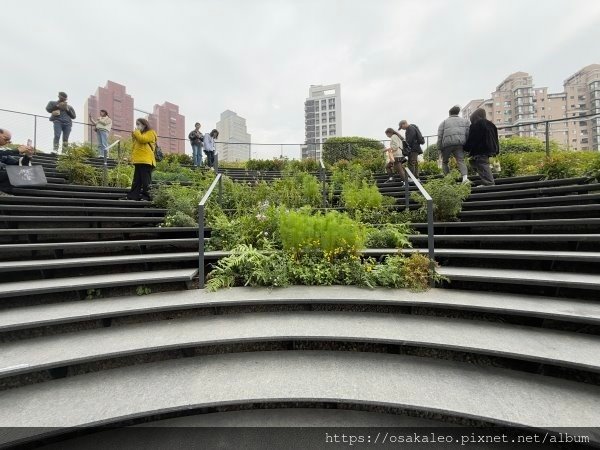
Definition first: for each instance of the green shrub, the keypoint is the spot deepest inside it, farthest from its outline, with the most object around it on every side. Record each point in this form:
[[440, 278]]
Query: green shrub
[[180, 219], [519, 144], [431, 153], [120, 176], [363, 196], [338, 148], [388, 236], [447, 196], [558, 166], [73, 163], [429, 168], [332, 234]]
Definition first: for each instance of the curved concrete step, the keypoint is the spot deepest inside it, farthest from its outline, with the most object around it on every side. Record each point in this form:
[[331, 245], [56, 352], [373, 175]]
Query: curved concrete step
[[507, 224], [532, 211], [484, 393], [508, 237], [536, 201], [37, 287], [34, 200], [38, 210], [544, 346], [114, 219], [522, 277], [569, 310]]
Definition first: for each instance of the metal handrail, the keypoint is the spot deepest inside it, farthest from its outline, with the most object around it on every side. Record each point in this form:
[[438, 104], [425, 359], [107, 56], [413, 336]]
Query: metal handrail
[[323, 176], [201, 205], [429, 200], [105, 175]]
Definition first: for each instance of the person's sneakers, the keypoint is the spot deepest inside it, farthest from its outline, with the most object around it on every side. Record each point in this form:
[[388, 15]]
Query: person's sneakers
[[389, 180], [466, 181], [5, 194]]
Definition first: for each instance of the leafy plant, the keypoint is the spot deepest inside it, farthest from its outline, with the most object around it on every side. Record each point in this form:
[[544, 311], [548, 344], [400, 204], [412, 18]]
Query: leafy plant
[[558, 166], [331, 234], [520, 144], [388, 236], [73, 162], [431, 153], [429, 168], [447, 196], [363, 196], [143, 290], [91, 294], [339, 148]]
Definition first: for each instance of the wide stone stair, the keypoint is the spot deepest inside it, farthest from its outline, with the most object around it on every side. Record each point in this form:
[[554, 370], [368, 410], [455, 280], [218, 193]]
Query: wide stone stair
[[487, 348]]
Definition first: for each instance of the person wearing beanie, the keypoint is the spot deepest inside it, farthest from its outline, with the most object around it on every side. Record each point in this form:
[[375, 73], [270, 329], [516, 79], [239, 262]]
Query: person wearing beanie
[[61, 115], [452, 136]]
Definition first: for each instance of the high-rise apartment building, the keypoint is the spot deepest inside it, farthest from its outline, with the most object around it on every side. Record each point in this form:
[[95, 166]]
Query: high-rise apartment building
[[119, 105], [170, 126], [322, 118], [518, 104], [234, 140]]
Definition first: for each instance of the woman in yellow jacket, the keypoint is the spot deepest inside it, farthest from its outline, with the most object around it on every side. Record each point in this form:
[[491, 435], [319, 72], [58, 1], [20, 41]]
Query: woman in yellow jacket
[[142, 156]]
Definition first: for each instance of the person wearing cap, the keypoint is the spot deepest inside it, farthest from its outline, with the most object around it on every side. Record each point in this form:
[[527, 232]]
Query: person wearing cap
[[452, 136], [61, 115]]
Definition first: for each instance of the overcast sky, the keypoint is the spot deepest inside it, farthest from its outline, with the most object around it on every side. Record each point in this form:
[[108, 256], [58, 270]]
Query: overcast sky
[[394, 59]]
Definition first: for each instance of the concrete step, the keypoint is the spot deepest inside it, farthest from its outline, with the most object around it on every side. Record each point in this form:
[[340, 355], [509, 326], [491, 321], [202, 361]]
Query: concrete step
[[566, 310], [423, 384], [522, 277], [557, 348], [70, 284]]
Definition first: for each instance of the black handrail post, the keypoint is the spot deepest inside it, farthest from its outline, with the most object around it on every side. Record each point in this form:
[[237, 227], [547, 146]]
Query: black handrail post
[[406, 194], [35, 132], [105, 151], [323, 176], [201, 230], [547, 138], [430, 238], [201, 246], [430, 223]]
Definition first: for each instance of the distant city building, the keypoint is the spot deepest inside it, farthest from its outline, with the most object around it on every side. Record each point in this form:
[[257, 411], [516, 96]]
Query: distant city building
[[322, 118], [170, 126], [119, 104], [517, 103], [234, 140]]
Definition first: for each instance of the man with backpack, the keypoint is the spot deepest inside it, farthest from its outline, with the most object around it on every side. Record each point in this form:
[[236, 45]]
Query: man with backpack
[[414, 139]]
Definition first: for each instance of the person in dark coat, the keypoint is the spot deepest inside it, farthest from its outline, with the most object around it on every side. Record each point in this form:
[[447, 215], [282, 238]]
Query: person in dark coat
[[481, 144]]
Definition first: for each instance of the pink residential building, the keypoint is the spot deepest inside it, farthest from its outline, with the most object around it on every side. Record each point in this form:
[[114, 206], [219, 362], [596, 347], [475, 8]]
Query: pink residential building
[[170, 126], [119, 104]]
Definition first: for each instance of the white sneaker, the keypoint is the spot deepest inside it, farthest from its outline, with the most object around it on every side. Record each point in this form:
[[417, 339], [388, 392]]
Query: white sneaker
[[467, 181]]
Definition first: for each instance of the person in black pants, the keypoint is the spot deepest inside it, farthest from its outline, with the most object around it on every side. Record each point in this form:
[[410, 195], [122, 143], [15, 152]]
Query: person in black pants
[[481, 144], [144, 141]]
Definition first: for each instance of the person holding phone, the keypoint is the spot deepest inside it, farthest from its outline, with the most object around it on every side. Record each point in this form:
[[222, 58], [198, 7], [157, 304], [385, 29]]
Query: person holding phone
[[61, 115], [102, 125], [144, 140]]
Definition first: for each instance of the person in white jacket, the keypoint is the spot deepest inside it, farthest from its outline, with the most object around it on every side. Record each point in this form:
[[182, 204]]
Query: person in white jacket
[[103, 125], [210, 148]]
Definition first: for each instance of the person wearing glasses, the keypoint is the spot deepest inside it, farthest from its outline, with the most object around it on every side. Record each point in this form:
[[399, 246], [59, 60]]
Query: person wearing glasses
[[22, 155]]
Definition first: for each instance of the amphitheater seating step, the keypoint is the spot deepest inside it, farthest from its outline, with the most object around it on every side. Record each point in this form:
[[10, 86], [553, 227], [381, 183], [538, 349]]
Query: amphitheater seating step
[[37, 287], [39, 209], [531, 211], [89, 219], [25, 200], [59, 193], [568, 224], [567, 310], [485, 393], [511, 203], [509, 237], [6, 248], [553, 347], [535, 192], [522, 277]]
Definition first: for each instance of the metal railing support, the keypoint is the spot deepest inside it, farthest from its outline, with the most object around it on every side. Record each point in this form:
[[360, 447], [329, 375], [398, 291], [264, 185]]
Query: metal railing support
[[547, 138], [323, 176], [201, 207], [105, 157], [430, 223], [35, 132]]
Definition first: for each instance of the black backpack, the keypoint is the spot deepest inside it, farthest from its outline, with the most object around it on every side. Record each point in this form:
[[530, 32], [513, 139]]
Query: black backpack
[[420, 138]]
